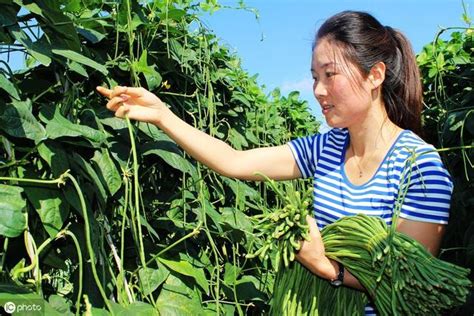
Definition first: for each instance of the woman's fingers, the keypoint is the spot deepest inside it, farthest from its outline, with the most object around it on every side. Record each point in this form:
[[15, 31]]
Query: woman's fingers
[[134, 92], [118, 90], [122, 111], [115, 103], [111, 93], [104, 91]]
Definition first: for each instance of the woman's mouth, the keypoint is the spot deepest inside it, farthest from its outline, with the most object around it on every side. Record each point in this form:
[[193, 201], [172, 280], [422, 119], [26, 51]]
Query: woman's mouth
[[327, 108]]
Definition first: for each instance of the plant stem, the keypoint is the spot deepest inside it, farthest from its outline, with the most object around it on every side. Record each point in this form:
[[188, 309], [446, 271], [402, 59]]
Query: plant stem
[[189, 235], [136, 191], [5, 248], [88, 241], [79, 256]]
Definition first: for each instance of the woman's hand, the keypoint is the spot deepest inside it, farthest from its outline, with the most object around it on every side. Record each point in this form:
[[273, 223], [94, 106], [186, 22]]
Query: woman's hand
[[312, 253], [138, 103]]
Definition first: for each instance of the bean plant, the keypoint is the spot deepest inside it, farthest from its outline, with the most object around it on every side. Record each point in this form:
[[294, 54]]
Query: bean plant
[[104, 216]]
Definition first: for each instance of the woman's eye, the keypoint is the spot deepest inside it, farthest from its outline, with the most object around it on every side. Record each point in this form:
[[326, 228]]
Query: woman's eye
[[330, 74]]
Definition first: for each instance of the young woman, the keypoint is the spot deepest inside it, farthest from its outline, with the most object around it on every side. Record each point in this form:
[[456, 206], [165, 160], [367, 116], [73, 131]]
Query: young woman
[[367, 83]]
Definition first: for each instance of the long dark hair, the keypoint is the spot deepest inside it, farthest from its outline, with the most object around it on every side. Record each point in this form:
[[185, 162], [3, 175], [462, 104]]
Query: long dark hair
[[365, 42]]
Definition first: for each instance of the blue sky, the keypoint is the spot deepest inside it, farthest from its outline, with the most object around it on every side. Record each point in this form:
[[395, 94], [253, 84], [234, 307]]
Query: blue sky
[[278, 46]]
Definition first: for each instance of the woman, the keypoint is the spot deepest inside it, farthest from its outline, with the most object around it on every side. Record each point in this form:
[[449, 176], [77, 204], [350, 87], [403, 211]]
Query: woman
[[367, 83]]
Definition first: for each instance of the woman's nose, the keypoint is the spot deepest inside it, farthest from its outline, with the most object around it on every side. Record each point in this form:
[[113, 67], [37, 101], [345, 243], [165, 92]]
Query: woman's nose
[[319, 89]]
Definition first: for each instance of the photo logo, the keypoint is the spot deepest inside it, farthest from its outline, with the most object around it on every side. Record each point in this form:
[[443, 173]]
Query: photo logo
[[9, 307]]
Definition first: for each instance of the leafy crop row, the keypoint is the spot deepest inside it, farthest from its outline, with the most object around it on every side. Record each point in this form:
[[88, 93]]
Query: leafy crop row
[[146, 228]]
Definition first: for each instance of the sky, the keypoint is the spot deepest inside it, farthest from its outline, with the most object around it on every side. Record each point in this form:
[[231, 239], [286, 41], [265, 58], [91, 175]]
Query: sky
[[277, 46]]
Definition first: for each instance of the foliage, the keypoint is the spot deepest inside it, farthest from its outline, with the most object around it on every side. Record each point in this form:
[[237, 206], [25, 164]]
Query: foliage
[[447, 67], [105, 214]]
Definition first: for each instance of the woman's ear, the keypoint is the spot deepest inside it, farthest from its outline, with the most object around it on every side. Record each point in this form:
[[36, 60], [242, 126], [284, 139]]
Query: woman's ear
[[377, 74]]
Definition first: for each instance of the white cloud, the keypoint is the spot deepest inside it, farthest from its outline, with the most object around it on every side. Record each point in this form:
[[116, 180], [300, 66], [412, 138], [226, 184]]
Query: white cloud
[[302, 85]]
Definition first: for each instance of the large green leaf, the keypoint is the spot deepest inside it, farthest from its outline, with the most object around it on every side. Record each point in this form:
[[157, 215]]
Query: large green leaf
[[176, 299], [151, 279], [152, 77], [39, 50], [12, 211], [231, 273], [54, 23], [81, 59], [51, 207], [236, 219], [185, 268], [107, 171], [55, 156], [8, 86], [169, 152], [58, 126], [17, 120]]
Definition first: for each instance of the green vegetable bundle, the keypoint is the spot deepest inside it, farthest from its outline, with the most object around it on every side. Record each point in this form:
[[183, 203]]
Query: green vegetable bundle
[[285, 225], [297, 291], [401, 277], [399, 274]]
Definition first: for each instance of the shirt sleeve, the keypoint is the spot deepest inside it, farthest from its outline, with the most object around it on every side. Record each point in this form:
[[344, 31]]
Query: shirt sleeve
[[429, 188], [305, 151]]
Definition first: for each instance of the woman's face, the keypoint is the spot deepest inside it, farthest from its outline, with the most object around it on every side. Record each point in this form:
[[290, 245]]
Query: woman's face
[[342, 92]]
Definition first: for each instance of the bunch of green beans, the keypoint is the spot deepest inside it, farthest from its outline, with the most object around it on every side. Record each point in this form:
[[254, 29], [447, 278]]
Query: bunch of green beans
[[399, 274], [298, 292], [283, 228]]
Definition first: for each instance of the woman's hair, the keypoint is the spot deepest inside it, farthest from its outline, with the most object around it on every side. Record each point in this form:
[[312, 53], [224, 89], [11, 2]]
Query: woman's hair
[[363, 41]]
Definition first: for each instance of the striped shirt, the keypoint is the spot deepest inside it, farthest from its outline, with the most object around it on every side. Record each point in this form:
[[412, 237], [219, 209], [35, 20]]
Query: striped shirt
[[409, 162]]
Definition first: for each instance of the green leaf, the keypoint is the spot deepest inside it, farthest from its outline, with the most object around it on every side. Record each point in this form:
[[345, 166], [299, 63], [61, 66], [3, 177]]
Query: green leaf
[[58, 126], [57, 26], [247, 288], [17, 120], [231, 273], [76, 67], [185, 268], [236, 219], [135, 308], [12, 211], [91, 35], [241, 98], [8, 86], [151, 279], [107, 171], [60, 304], [170, 153], [81, 59], [51, 207], [152, 77], [39, 50], [237, 140], [55, 156], [176, 299], [89, 173]]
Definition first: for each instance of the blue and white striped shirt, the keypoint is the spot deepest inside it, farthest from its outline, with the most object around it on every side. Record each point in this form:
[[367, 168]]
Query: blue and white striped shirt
[[429, 191]]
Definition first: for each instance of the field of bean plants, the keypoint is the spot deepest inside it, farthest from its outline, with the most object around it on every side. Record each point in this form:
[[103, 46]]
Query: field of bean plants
[[102, 216]]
